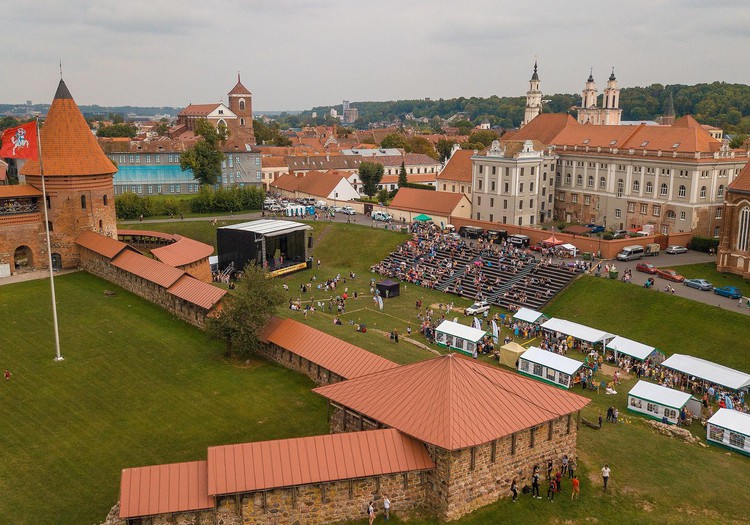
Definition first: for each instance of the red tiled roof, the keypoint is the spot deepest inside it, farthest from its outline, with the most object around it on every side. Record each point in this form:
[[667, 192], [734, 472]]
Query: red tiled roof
[[101, 244], [250, 467], [453, 402], [239, 89], [197, 292], [418, 178], [428, 201], [183, 251], [313, 183], [269, 328], [341, 358], [197, 110], [458, 167], [273, 162], [544, 128], [741, 183], [162, 489], [68, 145], [147, 268], [410, 159], [19, 190]]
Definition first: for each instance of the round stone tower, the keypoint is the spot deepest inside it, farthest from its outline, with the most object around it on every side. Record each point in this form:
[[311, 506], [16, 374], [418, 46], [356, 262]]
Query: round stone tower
[[78, 178]]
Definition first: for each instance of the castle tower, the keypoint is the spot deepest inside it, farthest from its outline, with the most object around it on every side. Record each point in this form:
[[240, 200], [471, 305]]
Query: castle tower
[[533, 98], [612, 111], [241, 104], [589, 112], [78, 177]]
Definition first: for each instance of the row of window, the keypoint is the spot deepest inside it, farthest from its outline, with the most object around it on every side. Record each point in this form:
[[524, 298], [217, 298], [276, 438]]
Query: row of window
[[649, 187], [521, 171], [650, 170], [505, 219], [735, 439], [158, 189]]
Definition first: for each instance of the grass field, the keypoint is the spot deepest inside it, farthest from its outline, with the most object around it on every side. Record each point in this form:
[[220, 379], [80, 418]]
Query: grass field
[[708, 272], [140, 387]]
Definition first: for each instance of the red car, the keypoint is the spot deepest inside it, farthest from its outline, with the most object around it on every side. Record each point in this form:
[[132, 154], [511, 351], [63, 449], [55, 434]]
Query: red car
[[645, 268], [670, 275]]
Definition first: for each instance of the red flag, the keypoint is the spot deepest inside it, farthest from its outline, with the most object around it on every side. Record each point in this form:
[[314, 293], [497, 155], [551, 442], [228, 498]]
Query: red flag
[[20, 142]]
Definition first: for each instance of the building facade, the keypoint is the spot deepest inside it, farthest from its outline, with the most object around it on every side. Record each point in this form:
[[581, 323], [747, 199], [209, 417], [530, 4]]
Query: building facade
[[533, 99], [609, 113], [513, 183], [734, 244]]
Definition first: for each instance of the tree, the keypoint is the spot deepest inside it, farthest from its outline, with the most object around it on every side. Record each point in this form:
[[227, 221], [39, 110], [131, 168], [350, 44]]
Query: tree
[[444, 147], [738, 140], [162, 128], [204, 157], [370, 174], [422, 145], [484, 136], [402, 180], [117, 130], [246, 310], [395, 140]]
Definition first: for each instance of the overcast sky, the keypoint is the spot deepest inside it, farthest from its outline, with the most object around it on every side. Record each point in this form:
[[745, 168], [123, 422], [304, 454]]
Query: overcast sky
[[296, 54]]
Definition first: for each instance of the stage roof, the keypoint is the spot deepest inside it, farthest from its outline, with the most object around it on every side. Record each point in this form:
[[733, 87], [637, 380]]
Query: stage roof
[[268, 227]]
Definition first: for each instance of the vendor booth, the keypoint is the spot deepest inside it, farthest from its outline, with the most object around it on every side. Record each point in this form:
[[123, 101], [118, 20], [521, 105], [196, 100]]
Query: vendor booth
[[634, 349], [295, 210], [388, 288], [528, 315], [708, 372], [510, 353], [548, 366], [552, 241], [458, 336], [660, 402], [568, 249], [731, 429], [422, 218], [581, 332]]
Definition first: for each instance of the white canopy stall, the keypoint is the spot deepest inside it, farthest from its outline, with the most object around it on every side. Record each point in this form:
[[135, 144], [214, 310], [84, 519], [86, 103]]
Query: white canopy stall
[[708, 371], [548, 366], [458, 336], [634, 349], [577, 331], [730, 428], [527, 315], [660, 402]]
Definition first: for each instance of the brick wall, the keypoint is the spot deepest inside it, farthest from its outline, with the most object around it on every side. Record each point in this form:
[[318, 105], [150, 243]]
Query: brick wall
[[320, 375], [200, 269]]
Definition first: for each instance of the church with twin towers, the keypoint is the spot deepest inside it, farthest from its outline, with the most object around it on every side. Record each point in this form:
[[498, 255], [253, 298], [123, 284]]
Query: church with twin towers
[[590, 111]]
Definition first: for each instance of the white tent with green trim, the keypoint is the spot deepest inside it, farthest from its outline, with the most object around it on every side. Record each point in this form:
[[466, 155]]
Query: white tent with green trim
[[548, 366]]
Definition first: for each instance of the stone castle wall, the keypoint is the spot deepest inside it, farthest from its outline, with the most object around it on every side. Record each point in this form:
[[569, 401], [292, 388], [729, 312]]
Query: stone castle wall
[[200, 269], [100, 266], [320, 375]]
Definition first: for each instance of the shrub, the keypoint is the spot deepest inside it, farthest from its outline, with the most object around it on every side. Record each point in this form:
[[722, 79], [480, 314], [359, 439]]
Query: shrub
[[129, 206], [704, 244], [207, 200]]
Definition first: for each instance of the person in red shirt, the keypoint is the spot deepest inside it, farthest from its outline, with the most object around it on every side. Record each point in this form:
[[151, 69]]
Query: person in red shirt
[[576, 487]]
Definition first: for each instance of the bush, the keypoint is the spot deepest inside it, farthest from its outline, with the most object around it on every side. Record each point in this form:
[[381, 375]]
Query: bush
[[130, 206], [704, 244]]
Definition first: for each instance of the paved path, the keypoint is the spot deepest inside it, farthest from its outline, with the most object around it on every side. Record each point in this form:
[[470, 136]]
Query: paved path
[[30, 276]]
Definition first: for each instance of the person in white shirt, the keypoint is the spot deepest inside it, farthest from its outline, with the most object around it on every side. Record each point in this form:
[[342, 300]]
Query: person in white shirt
[[605, 476], [386, 506]]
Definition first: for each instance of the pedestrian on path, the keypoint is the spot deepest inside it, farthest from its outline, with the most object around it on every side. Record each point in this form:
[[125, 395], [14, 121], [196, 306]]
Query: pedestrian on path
[[605, 475]]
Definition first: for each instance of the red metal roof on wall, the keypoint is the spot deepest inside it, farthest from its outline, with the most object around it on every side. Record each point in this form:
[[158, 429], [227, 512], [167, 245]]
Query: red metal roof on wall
[[162, 489], [250, 467], [453, 402], [149, 269], [183, 251], [197, 292], [331, 353], [101, 244]]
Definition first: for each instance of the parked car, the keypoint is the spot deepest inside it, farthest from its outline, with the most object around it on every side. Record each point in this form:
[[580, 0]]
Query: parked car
[[699, 284], [669, 274], [477, 308], [645, 268], [729, 291], [275, 208], [595, 228], [380, 216], [348, 210], [337, 209], [674, 250], [620, 234]]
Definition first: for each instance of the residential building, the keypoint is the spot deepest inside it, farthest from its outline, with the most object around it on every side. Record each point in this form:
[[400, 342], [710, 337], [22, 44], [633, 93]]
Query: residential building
[[456, 176], [513, 183], [331, 185], [440, 206]]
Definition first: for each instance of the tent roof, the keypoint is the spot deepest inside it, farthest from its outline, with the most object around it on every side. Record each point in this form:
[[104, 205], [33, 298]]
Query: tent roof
[[268, 227], [568, 246], [461, 330], [552, 360], [721, 375], [387, 282], [660, 394], [552, 240], [630, 347], [732, 420], [513, 347], [422, 217], [579, 331], [528, 315]]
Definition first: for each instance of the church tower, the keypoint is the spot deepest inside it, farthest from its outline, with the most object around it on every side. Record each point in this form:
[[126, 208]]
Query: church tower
[[78, 178], [241, 104], [589, 112], [533, 98], [612, 111]]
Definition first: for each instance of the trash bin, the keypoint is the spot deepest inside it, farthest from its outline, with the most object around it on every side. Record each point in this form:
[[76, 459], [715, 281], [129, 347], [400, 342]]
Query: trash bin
[[613, 274], [586, 256]]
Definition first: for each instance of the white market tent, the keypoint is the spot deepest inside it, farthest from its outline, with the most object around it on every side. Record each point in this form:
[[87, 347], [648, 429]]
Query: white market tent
[[569, 248], [548, 366], [622, 345], [730, 428], [708, 371], [528, 315], [657, 401], [577, 331], [458, 336]]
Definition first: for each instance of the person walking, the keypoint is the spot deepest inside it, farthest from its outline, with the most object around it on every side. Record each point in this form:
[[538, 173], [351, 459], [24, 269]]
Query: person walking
[[572, 468], [386, 507], [551, 490], [576, 487], [371, 512], [535, 484], [605, 475], [514, 489]]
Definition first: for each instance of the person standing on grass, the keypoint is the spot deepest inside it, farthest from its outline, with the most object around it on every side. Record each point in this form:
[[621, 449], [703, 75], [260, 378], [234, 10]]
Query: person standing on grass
[[605, 475], [535, 483], [565, 463], [551, 490], [514, 489], [7, 374], [386, 506], [572, 468], [576, 488], [371, 512], [549, 469]]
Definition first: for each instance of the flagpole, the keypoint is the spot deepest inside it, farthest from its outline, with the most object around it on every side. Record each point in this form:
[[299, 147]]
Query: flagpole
[[58, 357]]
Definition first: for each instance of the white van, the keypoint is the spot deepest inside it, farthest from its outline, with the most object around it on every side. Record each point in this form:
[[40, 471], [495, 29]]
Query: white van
[[380, 216], [631, 253]]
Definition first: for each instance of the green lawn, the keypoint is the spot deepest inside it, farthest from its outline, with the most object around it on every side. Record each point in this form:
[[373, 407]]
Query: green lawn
[[708, 272], [137, 387]]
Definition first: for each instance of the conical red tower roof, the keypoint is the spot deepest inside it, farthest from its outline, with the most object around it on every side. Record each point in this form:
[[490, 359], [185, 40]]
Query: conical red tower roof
[[68, 146], [453, 402], [239, 89]]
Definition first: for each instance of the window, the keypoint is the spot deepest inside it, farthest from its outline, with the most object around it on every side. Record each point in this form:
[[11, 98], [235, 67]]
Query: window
[[507, 187], [531, 186], [716, 433], [492, 204], [579, 180], [574, 198], [649, 187], [532, 435], [618, 214], [505, 204], [49, 226], [683, 215], [664, 189], [736, 440], [743, 232], [590, 181], [494, 170], [481, 169], [635, 402], [703, 192], [620, 187], [520, 188], [587, 200], [520, 204], [651, 407], [479, 181], [665, 229], [479, 201], [681, 191], [718, 213], [150, 189], [636, 186], [106, 200], [602, 182], [644, 208], [550, 374], [657, 211], [670, 413], [531, 203], [717, 231], [148, 159], [568, 179], [671, 214], [157, 159], [563, 380], [242, 104], [492, 184], [720, 191], [83, 202], [538, 370], [631, 207]]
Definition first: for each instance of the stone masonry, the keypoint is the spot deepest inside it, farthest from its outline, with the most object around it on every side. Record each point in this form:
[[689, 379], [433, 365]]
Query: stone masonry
[[320, 375]]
